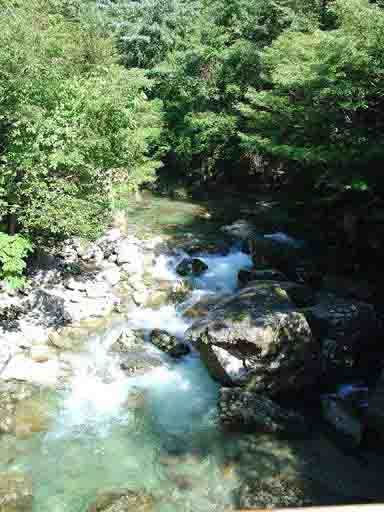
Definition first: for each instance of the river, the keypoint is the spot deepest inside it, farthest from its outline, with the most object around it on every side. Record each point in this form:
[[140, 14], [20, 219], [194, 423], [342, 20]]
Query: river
[[157, 434]]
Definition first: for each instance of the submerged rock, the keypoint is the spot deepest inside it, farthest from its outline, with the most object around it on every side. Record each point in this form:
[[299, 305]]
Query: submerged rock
[[23, 411], [140, 363], [169, 344], [31, 416], [122, 500], [241, 410], [258, 336], [11, 394], [191, 267], [16, 492]]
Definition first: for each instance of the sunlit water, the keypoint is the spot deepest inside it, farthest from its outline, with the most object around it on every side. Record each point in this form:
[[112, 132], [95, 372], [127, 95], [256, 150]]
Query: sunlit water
[[168, 446]]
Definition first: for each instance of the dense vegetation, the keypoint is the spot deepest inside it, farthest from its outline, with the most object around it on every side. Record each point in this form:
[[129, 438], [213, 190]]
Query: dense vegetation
[[94, 93]]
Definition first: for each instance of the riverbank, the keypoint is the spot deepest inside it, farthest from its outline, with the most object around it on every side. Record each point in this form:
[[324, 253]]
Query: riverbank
[[131, 405]]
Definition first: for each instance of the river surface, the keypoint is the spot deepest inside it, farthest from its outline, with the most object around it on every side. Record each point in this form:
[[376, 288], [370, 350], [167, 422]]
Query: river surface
[[157, 434]]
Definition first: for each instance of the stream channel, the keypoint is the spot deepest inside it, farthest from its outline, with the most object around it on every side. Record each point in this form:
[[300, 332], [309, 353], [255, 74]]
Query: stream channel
[[157, 434]]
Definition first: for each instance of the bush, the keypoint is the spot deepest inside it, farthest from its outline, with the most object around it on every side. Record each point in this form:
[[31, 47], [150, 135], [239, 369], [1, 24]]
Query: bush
[[13, 252]]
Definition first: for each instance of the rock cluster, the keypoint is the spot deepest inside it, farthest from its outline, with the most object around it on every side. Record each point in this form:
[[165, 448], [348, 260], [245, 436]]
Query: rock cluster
[[284, 335], [80, 284]]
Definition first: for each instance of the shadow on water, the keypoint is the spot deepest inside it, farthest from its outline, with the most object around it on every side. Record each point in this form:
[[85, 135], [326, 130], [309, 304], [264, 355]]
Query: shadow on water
[[322, 470], [166, 441]]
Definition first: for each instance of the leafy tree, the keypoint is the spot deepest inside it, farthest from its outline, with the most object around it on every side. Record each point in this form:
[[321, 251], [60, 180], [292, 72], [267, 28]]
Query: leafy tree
[[73, 121], [324, 105]]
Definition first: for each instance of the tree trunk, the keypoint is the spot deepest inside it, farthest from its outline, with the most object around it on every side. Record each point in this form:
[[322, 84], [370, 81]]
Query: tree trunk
[[12, 224]]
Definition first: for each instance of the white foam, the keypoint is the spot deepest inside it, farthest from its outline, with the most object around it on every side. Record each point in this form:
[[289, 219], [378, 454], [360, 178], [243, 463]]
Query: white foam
[[181, 394], [222, 272]]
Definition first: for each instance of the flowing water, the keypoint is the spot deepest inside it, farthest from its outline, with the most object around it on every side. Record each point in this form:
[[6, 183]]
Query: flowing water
[[168, 446], [156, 434]]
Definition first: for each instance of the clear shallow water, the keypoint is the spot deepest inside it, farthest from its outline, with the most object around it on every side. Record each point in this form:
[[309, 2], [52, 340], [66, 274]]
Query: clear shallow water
[[155, 433]]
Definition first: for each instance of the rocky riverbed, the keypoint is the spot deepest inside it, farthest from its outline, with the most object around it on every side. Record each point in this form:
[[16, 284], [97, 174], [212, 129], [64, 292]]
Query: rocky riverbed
[[189, 374]]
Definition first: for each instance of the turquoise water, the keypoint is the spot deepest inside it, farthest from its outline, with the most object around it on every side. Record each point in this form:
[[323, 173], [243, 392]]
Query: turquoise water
[[158, 434]]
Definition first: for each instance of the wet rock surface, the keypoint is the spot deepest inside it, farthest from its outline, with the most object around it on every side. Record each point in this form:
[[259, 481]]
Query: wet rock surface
[[122, 500], [140, 363], [241, 410], [129, 340], [169, 344], [191, 267], [259, 337], [349, 331]]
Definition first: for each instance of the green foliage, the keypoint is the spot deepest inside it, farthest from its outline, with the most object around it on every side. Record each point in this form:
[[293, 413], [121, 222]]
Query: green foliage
[[73, 121], [212, 58], [324, 105], [13, 252]]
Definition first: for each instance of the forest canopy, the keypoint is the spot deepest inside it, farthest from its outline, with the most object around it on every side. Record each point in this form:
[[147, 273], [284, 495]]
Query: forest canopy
[[99, 93]]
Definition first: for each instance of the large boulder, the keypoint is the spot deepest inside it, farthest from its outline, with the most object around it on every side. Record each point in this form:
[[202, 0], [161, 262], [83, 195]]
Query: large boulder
[[203, 306], [16, 492], [350, 331], [258, 337], [169, 344], [242, 410], [122, 500], [290, 258]]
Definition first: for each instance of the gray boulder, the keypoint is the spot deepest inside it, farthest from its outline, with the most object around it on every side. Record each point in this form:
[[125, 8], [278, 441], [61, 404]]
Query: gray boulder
[[348, 329], [169, 344], [242, 410], [49, 308], [258, 337], [93, 254]]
